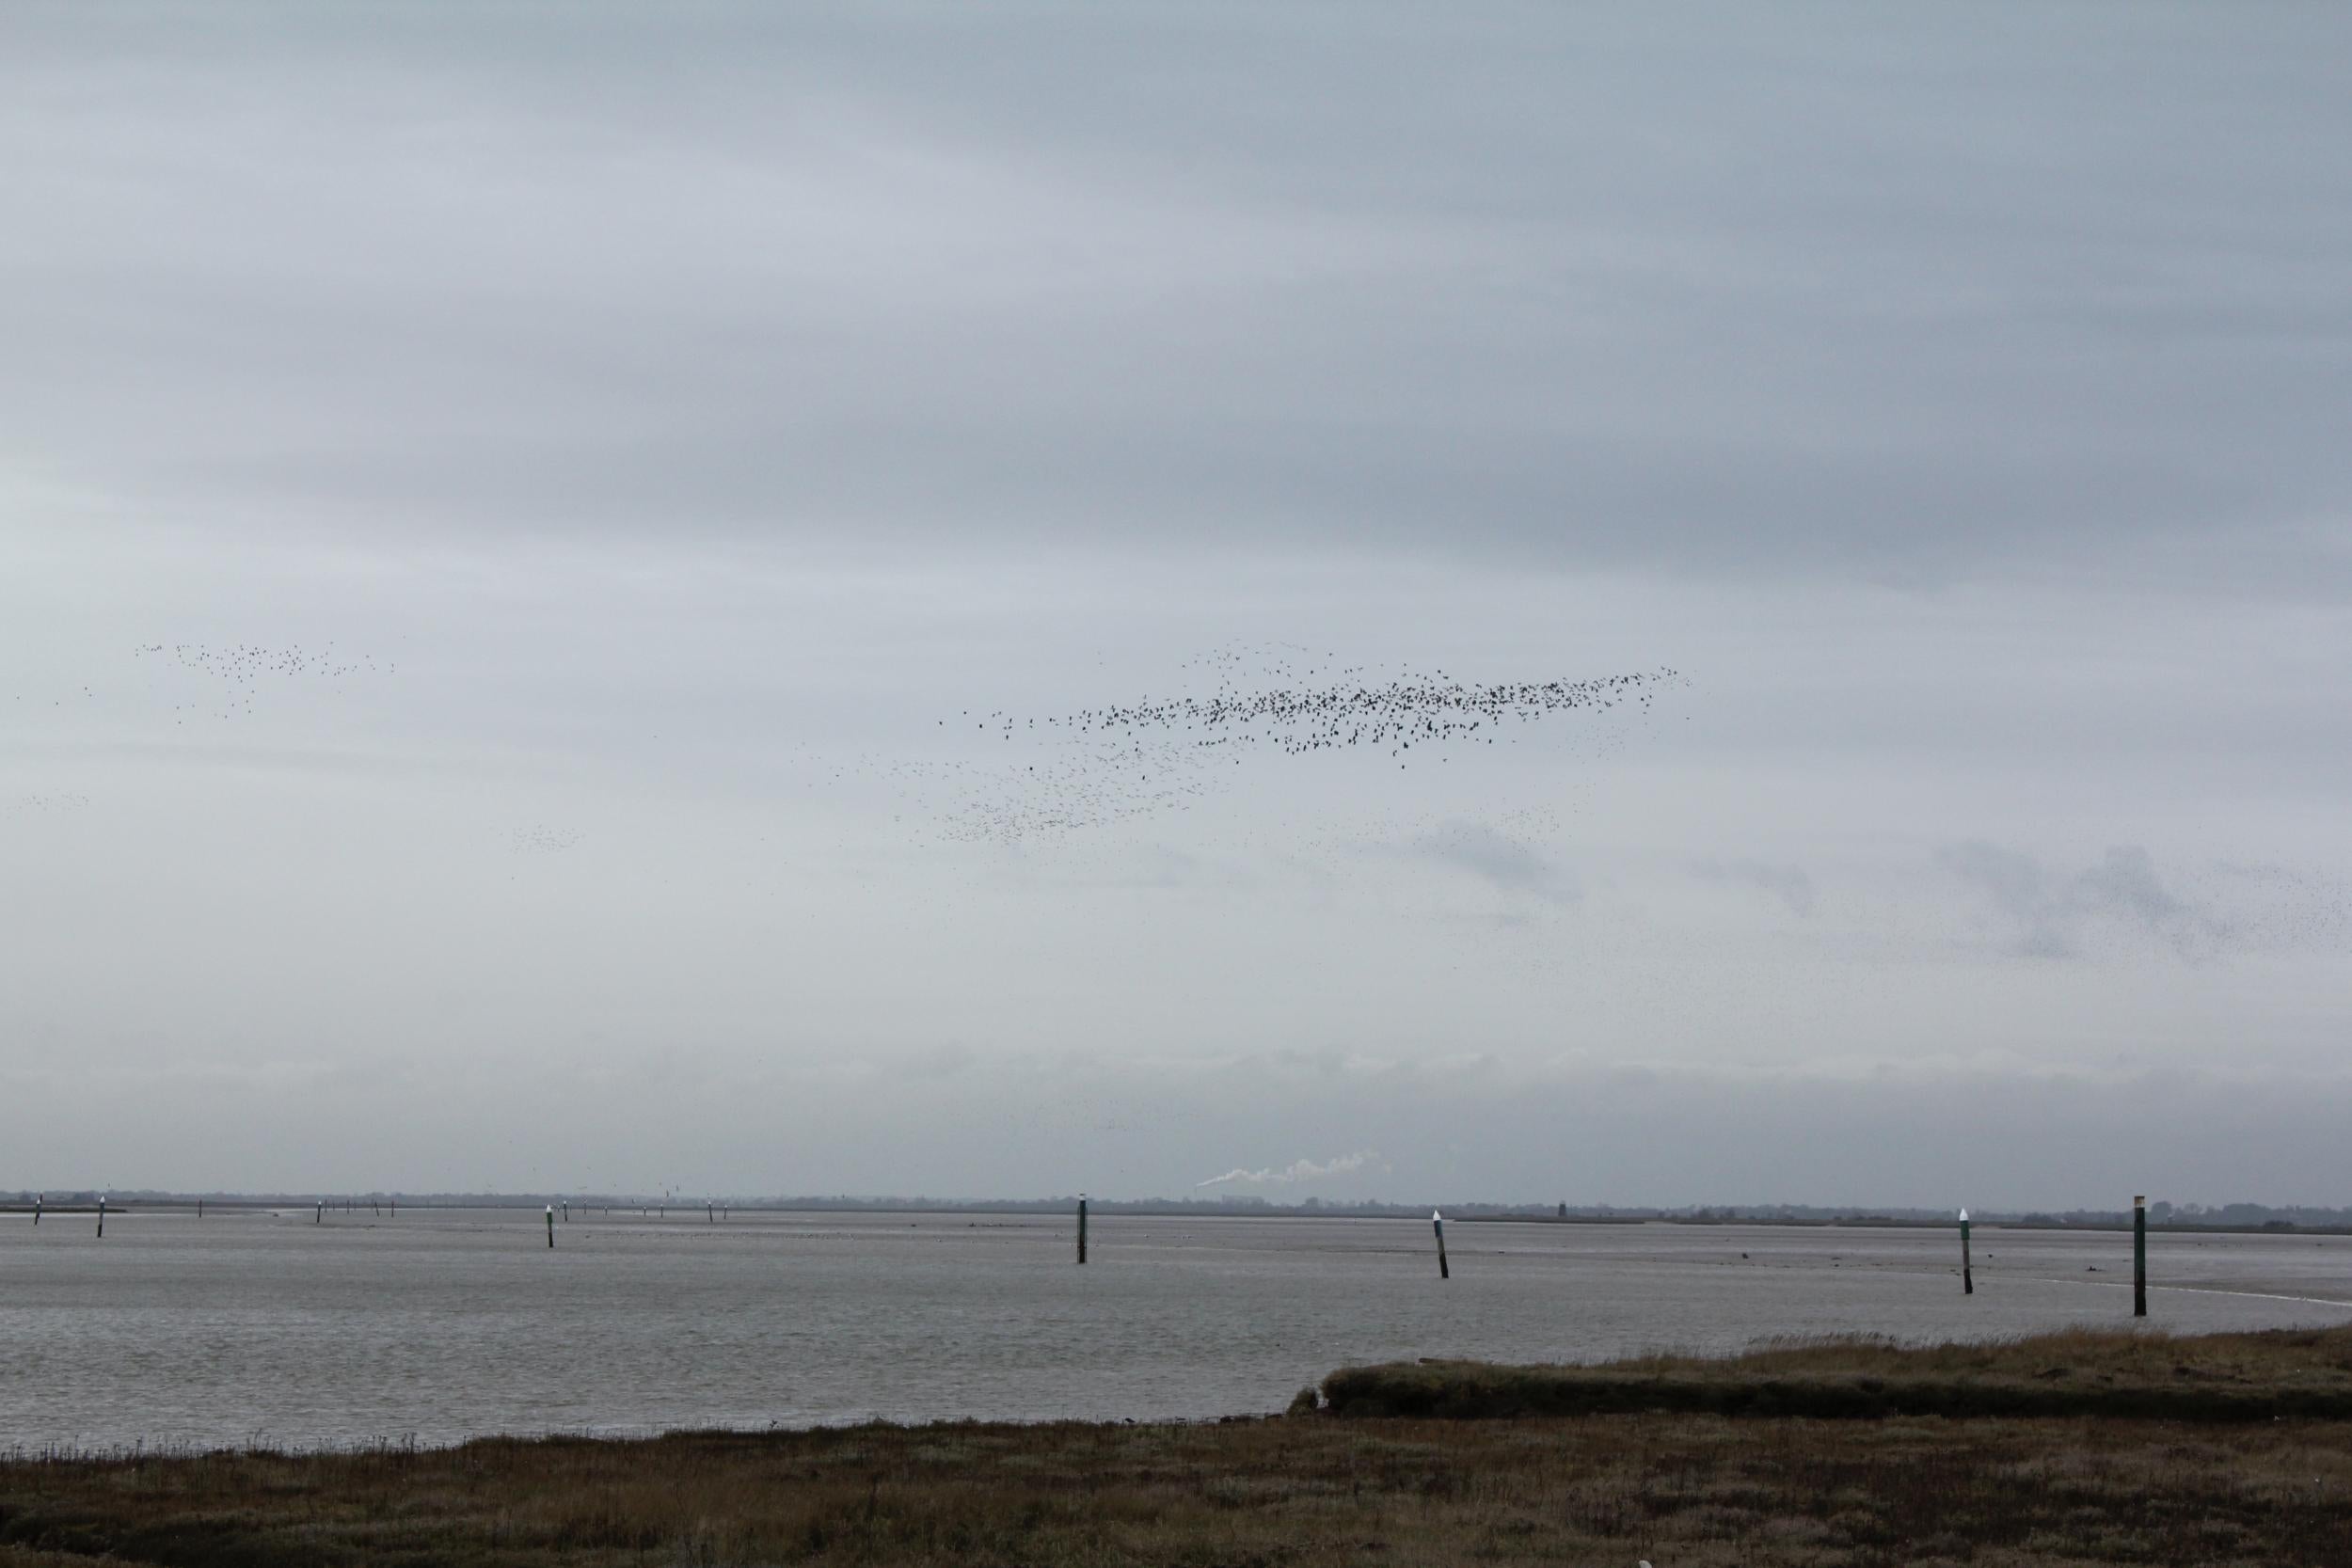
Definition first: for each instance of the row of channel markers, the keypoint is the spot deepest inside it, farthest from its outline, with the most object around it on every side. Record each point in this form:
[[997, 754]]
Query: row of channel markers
[[714, 1212]]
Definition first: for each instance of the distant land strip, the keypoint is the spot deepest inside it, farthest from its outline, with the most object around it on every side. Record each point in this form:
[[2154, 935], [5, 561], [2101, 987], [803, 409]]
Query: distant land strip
[[2290, 1219]]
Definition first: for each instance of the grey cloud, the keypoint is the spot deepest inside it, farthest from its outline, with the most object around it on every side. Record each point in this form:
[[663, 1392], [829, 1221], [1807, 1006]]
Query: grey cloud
[[2124, 881], [1574, 292], [941, 1061], [1500, 860], [2014, 881], [2053, 915], [701, 403], [1790, 884]]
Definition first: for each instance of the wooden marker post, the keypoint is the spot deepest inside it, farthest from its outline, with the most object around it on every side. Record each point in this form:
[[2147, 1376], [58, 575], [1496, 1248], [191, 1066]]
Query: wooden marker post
[[2139, 1255], [1436, 1223], [320, 1216], [199, 1208], [102, 1217], [39, 1198], [710, 1214], [1082, 1228], [550, 1224], [1967, 1280]]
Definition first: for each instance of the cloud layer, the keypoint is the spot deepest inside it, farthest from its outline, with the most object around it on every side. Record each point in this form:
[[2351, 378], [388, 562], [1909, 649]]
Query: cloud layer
[[646, 436]]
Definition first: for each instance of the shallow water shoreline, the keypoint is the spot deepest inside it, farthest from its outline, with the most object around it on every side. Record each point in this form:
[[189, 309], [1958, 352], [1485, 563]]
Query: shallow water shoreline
[[1311, 1489]]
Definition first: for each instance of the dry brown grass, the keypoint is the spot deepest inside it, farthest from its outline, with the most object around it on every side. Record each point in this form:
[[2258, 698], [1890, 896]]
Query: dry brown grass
[[1679, 1490]]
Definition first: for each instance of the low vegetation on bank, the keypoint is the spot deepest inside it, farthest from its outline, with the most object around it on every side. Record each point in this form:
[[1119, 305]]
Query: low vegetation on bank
[[2300, 1374], [1677, 1489]]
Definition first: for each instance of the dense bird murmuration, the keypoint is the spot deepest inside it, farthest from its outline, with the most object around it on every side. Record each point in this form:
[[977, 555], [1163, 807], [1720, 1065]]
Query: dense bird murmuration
[[1106, 762]]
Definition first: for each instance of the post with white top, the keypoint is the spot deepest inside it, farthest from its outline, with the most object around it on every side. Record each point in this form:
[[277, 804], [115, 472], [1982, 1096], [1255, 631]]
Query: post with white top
[[2139, 1255], [1436, 1223], [318, 1216], [102, 1216], [1082, 1228], [550, 1224], [1967, 1280]]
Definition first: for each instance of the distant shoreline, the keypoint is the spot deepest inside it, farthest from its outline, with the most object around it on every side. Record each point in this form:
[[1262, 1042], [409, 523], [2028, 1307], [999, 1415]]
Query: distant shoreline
[[1464, 1214]]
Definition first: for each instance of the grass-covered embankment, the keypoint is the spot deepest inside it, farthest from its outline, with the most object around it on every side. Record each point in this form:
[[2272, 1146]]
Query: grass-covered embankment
[[1680, 1490], [2299, 1374]]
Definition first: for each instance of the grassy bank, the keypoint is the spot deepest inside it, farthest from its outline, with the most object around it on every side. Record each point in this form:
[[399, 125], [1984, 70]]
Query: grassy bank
[[2298, 1374], [1677, 1489]]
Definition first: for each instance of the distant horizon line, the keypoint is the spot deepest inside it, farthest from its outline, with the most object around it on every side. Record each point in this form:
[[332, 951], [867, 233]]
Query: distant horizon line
[[2162, 1211]]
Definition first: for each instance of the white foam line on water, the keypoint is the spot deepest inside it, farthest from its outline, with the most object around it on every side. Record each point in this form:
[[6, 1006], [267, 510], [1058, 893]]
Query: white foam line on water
[[2185, 1290]]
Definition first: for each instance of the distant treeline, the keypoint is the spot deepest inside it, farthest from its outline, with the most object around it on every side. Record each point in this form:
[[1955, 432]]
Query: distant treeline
[[2225, 1216]]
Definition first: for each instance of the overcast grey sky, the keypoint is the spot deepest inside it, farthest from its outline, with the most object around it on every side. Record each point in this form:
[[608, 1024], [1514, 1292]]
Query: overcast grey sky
[[656, 426]]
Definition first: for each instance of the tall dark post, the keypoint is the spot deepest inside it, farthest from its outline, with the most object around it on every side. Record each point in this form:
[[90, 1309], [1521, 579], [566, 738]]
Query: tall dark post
[[199, 1208], [319, 1215], [1967, 1280], [39, 1198], [1082, 1228], [550, 1224], [2139, 1255], [1436, 1223], [102, 1217]]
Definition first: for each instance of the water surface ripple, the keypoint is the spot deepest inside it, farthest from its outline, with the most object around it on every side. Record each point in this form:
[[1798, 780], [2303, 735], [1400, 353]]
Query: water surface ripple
[[442, 1324]]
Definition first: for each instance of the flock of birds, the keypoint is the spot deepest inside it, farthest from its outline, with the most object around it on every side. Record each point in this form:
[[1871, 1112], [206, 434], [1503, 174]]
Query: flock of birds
[[1351, 710], [540, 839], [1091, 768], [67, 802], [242, 668], [1069, 778]]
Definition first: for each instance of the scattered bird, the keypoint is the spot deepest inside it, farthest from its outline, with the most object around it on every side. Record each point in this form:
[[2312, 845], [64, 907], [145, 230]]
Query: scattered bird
[[51, 802], [539, 839], [242, 668]]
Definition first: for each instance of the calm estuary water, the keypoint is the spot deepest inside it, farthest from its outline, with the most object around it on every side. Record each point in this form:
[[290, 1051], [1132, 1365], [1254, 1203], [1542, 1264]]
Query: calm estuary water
[[436, 1326]]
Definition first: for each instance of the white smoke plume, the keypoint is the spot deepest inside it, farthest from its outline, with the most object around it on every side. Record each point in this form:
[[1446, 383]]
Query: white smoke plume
[[1297, 1170]]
